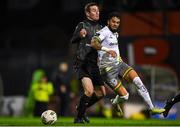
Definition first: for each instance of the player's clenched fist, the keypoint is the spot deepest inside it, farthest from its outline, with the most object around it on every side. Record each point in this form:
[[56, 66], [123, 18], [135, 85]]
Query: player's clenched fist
[[112, 53], [83, 33]]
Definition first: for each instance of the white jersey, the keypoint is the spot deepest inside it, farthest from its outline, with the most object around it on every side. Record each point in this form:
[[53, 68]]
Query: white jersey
[[109, 40]]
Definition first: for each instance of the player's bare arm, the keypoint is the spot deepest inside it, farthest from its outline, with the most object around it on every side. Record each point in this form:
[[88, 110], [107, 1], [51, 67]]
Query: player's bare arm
[[95, 43]]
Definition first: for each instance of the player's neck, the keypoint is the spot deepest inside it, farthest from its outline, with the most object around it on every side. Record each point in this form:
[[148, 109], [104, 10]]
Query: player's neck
[[91, 21], [113, 31]]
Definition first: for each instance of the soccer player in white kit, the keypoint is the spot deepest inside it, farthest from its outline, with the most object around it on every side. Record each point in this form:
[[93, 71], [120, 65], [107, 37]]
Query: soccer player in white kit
[[113, 68]]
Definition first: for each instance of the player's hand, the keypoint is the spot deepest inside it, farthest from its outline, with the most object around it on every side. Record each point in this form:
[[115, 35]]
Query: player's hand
[[112, 53], [83, 33]]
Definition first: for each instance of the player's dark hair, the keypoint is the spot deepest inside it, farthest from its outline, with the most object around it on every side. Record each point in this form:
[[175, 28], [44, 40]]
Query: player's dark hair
[[113, 14], [87, 6]]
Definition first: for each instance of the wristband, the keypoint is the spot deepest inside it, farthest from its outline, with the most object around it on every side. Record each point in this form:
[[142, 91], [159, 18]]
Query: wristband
[[105, 49]]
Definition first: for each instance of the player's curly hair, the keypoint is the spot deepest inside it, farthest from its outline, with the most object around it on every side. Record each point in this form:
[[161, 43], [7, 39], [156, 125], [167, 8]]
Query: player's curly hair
[[87, 6], [114, 14]]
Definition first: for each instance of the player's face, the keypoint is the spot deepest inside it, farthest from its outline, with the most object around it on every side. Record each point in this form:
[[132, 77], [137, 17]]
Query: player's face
[[93, 13], [114, 23]]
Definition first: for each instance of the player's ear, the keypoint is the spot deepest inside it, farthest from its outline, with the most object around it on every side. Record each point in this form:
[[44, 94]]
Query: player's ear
[[108, 22], [87, 14]]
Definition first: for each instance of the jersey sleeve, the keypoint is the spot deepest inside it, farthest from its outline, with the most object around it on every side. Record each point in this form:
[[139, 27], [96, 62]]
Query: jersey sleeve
[[76, 37], [100, 35]]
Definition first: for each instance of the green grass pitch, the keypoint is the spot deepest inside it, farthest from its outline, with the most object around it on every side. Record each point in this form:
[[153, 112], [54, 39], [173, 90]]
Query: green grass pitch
[[68, 121]]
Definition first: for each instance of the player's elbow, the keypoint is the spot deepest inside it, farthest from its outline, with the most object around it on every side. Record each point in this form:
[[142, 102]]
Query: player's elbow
[[94, 44]]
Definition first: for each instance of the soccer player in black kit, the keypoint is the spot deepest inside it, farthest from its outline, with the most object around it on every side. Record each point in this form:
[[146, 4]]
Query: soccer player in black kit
[[170, 103], [85, 62]]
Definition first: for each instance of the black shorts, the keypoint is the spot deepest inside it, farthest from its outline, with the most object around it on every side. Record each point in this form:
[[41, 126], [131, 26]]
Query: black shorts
[[90, 70]]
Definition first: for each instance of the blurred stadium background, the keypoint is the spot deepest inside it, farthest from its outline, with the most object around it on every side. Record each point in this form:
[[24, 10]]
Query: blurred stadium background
[[35, 34]]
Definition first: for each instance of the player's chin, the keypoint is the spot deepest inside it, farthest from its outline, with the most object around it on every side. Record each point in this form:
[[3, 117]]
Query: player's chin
[[114, 29], [96, 18]]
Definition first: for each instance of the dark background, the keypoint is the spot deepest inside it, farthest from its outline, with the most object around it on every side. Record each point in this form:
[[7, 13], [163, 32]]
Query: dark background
[[36, 33]]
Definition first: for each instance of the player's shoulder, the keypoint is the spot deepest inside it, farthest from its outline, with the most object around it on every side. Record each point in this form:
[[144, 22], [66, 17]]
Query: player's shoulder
[[81, 23], [105, 29]]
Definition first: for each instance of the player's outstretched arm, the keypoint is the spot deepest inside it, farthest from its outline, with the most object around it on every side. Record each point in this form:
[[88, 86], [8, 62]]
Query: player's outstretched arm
[[95, 43]]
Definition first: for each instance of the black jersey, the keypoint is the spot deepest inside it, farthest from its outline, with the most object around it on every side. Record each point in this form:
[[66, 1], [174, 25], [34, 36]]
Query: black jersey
[[84, 52]]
